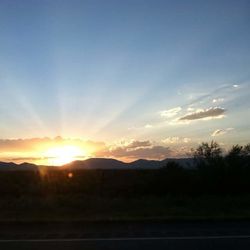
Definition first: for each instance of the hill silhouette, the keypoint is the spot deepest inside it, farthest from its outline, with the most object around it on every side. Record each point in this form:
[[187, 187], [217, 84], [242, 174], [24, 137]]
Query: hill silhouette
[[11, 166], [100, 163]]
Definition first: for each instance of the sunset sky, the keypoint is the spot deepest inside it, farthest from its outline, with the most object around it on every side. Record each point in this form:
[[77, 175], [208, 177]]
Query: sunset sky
[[123, 79]]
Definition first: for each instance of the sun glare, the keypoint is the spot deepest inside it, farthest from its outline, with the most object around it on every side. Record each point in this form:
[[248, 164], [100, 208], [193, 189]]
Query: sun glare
[[64, 154]]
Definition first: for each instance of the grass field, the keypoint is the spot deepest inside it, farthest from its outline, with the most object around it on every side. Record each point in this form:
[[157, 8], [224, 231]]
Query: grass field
[[71, 208]]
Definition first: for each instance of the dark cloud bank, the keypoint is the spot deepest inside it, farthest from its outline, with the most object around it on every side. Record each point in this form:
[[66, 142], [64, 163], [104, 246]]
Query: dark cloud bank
[[212, 112]]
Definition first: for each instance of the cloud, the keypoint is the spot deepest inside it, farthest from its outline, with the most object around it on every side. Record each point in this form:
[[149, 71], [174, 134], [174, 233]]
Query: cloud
[[170, 112], [154, 152], [41, 144], [135, 149], [227, 91], [190, 109], [176, 139], [216, 100], [34, 150], [218, 132], [23, 159], [171, 140], [186, 140], [139, 144], [148, 126], [204, 114]]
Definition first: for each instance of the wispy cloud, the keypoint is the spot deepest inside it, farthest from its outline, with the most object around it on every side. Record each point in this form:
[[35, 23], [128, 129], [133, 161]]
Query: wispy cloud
[[204, 114], [215, 94], [170, 112], [218, 132], [23, 159]]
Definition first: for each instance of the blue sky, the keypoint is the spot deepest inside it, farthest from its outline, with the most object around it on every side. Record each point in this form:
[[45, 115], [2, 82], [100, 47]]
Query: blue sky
[[123, 71]]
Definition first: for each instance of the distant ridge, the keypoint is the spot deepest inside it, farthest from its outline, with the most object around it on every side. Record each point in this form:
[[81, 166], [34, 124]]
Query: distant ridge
[[96, 163], [108, 163], [100, 163], [11, 166]]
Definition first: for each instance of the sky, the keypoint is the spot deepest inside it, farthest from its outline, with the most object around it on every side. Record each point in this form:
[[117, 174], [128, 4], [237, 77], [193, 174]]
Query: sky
[[123, 79]]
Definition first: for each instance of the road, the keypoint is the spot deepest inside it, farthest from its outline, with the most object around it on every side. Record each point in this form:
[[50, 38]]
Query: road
[[130, 235]]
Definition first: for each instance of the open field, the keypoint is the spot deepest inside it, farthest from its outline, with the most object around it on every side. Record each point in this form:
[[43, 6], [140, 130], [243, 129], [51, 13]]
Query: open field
[[83, 208]]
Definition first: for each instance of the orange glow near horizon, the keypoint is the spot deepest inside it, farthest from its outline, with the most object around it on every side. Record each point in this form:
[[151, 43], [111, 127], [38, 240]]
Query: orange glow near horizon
[[61, 155]]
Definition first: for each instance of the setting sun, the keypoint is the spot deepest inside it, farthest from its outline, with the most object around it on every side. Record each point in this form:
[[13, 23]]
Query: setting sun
[[64, 154]]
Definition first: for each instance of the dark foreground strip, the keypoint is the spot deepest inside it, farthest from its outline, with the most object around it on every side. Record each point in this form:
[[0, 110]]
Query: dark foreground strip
[[130, 239]]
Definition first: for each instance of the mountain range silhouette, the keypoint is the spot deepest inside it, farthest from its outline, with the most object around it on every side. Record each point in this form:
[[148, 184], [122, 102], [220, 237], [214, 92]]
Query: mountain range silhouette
[[100, 163]]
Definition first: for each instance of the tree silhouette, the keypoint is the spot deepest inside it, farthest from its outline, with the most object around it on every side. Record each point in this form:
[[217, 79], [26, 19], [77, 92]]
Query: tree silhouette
[[208, 151], [207, 154]]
